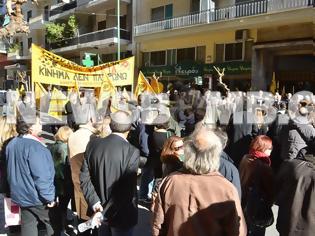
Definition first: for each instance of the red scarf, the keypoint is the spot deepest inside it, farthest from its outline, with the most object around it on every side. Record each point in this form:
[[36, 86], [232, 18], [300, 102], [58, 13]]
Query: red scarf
[[261, 156]]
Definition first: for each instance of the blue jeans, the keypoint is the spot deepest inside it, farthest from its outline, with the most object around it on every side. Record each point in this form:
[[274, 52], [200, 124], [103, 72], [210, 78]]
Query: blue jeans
[[146, 184], [105, 230]]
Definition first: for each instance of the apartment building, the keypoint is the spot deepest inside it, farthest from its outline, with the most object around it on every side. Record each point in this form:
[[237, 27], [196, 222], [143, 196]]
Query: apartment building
[[96, 34], [183, 39]]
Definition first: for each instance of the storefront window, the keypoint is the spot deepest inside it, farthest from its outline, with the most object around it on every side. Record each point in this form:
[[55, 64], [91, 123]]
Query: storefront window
[[185, 54], [158, 58], [233, 52]]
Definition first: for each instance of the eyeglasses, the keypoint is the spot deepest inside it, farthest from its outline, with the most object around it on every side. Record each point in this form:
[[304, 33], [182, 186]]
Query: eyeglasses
[[178, 148]]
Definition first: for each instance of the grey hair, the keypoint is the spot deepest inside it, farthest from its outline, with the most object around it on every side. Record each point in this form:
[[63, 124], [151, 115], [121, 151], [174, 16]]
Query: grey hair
[[211, 127], [202, 152]]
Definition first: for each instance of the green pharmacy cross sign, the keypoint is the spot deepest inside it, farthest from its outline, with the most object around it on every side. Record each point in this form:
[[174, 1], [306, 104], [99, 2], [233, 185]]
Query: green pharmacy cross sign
[[87, 61]]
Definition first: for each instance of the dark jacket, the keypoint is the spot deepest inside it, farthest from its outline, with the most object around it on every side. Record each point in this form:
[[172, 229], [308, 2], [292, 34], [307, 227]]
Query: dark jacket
[[295, 197], [230, 172], [30, 172], [109, 175], [240, 134], [255, 172], [59, 152], [296, 137]]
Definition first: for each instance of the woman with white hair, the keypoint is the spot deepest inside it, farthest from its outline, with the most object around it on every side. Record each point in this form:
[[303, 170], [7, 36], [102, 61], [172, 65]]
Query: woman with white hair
[[198, 200]]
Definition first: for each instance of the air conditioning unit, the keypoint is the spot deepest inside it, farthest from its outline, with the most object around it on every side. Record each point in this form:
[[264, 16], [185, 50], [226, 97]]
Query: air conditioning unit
[[241, 35]]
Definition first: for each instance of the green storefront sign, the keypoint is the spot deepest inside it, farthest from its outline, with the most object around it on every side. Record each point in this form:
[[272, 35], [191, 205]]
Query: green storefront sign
[[164, 70], [193, 69], [231, 68]]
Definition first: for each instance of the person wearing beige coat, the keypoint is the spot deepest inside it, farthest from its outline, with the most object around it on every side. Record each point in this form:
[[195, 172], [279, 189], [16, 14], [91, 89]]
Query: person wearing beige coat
[[77, 144], [198, 200]]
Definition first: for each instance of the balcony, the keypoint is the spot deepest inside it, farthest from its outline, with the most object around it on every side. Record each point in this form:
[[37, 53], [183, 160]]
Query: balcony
[[223, 14], [61, 10], [38, 22], [15, 55], [92, 39]]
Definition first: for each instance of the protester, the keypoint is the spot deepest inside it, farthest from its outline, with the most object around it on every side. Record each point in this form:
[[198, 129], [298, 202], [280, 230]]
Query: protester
[[298, 134], [63, 180], [259, 127], [77, 143], [156, 142], [213, 207], [172, 155], [30, 173], [257, 183], [277, 131], [109, 177], [295, 194]]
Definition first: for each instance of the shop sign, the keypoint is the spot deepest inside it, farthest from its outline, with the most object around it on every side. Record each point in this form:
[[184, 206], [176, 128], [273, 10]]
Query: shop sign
[[158, 70], [231, 68], [188, 69]]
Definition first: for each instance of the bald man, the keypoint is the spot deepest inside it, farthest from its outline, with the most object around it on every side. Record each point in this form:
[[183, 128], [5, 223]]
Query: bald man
[[109, 177]]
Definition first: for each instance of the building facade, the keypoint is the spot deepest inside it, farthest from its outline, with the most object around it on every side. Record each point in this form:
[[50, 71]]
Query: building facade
[[183, 39]]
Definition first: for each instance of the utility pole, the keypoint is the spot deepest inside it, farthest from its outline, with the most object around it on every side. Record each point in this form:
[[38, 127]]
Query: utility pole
[[118, 29]]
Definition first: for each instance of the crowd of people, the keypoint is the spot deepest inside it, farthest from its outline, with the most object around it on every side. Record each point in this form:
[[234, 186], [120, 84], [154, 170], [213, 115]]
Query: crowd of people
[[206, 165]]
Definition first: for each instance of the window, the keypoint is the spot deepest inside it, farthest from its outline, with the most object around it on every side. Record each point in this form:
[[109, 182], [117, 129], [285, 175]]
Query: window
[[171, 57], [201, 54], [229, 52], [157, 14], [233, 52], [29, 43], [46, 13], [101, 25], [158, 58], [29, 16], [194, 6], [219, 51], [185, 54], [162, 13], [123, 22]]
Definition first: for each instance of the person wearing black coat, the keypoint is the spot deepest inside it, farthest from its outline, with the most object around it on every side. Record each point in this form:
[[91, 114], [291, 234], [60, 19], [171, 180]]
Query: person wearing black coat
[[109, 177], [295, 193]]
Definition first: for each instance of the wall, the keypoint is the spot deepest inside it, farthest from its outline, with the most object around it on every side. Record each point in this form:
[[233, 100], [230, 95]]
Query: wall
[[203, 39], [286, 32]]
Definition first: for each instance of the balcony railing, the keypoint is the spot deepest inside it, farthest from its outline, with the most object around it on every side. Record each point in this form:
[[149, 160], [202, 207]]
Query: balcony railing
[[214, 15], [63, 8], [91, 37]]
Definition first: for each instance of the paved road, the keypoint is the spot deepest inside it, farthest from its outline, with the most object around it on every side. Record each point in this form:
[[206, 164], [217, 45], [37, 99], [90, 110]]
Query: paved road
[[143, 227]]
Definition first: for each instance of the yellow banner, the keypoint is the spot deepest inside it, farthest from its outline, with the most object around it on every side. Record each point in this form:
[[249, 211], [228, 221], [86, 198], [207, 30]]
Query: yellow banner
[[49, 68]]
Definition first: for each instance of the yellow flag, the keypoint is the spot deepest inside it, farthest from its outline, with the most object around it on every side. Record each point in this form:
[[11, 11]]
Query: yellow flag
[[107, 90], [40, 91], [57, 103], [273, 85], [22, 89], [143, 85]]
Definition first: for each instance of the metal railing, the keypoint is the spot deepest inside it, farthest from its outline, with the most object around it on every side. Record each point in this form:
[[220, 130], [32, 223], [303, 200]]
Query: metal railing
[[213, 15], [91, 37], [63, 8]]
